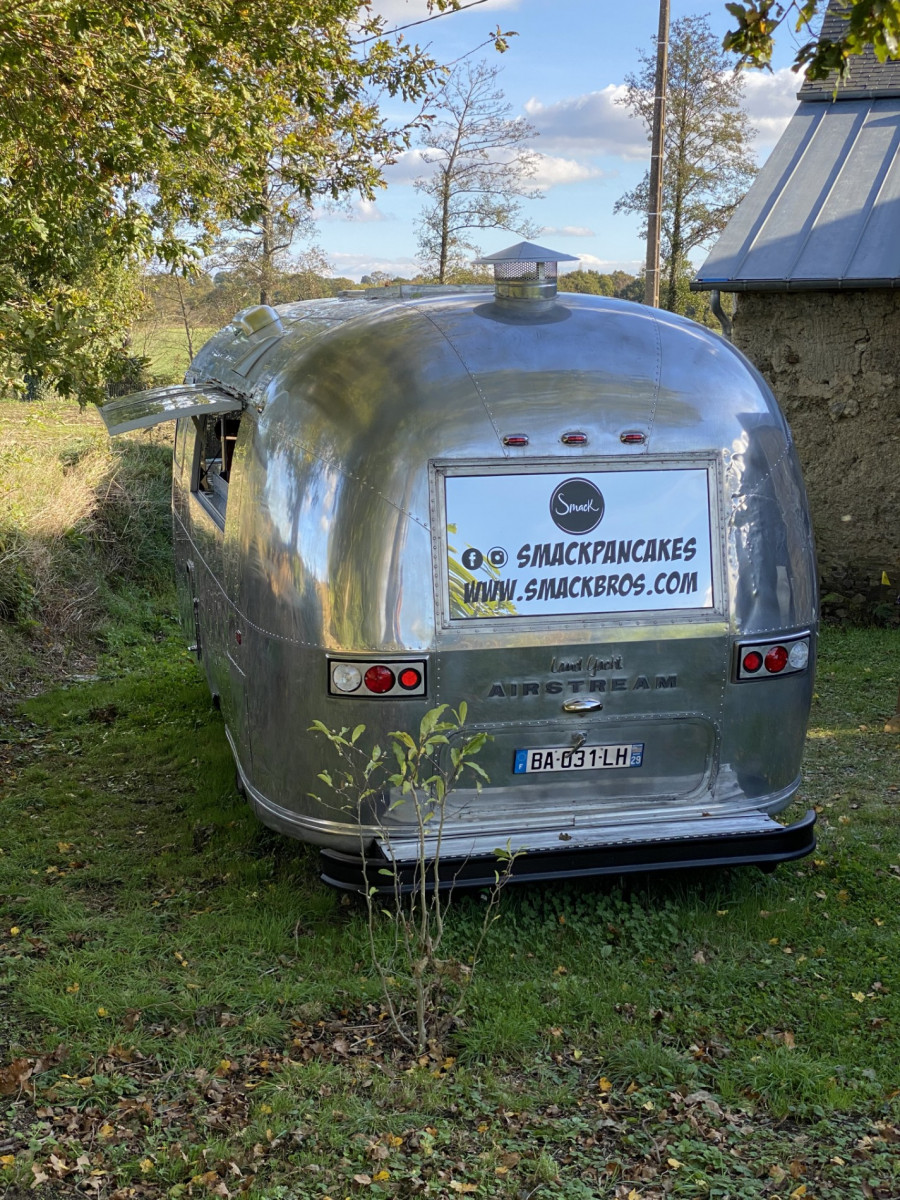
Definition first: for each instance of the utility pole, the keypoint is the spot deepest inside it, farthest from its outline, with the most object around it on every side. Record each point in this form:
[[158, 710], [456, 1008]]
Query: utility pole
[[657, 141]]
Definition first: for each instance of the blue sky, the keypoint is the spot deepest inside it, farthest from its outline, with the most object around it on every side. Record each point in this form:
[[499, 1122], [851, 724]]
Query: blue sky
[[563, 72]]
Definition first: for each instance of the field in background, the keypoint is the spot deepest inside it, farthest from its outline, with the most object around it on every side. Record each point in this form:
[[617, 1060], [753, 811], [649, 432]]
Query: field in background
[[166, 346], [188, 1012]]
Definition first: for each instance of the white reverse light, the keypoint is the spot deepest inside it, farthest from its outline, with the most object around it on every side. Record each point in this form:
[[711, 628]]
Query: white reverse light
[[799, 655], [346, 677]]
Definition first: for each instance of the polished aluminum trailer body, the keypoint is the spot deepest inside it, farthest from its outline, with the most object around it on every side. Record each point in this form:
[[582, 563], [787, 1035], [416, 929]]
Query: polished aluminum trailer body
[[356, 437]]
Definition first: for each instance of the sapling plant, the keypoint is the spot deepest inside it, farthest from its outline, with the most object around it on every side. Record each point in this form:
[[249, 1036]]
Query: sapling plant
[[405, 787]]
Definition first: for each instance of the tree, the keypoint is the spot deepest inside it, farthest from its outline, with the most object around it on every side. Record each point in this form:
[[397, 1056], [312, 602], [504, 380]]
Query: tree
[[595, 283], [128, 123], [481, 169], [868, 22], [708, 162]]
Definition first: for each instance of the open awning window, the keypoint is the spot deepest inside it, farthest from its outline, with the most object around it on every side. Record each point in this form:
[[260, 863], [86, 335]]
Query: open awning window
[[144, 409]]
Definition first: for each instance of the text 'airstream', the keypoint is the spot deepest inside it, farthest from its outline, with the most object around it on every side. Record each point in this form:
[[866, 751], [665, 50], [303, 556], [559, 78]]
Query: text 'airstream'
[[583, 517]]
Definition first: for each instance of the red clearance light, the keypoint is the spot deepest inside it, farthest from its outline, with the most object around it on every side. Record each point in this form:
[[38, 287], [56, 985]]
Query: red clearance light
[[409, 678], [776, 659], [752, 661], [633, 437], [574, 439], [379, 679], [515, 439]]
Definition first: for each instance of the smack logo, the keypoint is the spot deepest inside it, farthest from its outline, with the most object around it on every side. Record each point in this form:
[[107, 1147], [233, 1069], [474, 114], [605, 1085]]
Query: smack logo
[[577, 506]]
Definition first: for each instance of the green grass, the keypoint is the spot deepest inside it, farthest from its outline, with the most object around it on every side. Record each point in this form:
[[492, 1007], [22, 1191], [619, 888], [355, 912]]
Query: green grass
[[166, 346], [187, 1009], [190, 962]]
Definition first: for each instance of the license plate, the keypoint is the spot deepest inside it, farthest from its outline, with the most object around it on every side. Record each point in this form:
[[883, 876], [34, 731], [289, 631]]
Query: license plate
[[585, 758]]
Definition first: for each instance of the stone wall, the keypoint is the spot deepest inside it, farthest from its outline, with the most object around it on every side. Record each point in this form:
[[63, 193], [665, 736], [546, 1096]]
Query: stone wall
[[833, 361]]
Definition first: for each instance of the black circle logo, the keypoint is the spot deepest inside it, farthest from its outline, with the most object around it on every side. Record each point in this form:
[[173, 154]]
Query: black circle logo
[[472, 558], [577, 506], [497, 556]]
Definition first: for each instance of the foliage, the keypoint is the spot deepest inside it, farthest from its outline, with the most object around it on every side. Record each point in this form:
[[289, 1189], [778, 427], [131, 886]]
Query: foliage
[[708, 163], [151, 118], [261, 250], [596, 283], [481, 168], [868, 22], [416, 787]]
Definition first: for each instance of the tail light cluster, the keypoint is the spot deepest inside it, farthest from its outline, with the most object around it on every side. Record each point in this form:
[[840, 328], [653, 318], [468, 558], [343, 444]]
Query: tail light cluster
[[374, 679], [762, 660]]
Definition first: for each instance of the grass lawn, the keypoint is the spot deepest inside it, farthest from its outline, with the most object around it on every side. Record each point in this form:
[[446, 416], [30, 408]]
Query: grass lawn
[[187, 1011], [167, 347]]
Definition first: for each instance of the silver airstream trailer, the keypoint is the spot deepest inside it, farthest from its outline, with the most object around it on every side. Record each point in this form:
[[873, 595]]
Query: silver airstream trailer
[[581, 516]]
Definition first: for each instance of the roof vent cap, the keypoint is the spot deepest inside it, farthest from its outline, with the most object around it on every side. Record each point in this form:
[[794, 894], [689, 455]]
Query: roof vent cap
[[525, 276]]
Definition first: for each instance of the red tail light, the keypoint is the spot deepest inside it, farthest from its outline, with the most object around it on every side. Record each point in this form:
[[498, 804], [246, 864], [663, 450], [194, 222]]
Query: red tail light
[[776, 659], [379, 679]]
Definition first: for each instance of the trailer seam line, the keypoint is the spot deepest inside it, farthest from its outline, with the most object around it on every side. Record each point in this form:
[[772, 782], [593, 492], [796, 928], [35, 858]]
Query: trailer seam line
[[446, 336]]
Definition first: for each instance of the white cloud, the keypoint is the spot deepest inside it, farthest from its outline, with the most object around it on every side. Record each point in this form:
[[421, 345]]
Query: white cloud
[[551, 171], [409, 166], [771, 100], [398, 12], [567, 231], [354, 266], [590, 262], [594, 123], [357, 210]]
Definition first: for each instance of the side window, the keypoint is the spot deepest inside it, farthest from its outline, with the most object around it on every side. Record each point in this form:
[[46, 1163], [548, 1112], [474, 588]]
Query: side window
[[216, 437]]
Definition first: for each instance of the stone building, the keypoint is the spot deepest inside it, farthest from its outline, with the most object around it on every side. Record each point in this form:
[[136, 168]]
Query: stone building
[[813, 256]]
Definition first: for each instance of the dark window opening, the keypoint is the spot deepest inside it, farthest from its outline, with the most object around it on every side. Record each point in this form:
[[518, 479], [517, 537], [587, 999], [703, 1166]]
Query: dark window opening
[[216, 441]]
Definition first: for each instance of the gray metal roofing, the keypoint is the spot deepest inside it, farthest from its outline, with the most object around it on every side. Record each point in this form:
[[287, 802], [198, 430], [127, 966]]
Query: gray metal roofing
[[824, 211], [867, 77]]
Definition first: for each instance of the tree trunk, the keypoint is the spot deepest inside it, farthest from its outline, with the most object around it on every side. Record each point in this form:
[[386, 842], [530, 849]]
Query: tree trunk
[[445, 227], [265, 257]]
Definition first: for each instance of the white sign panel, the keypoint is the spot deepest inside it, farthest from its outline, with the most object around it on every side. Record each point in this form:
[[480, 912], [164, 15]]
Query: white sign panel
[[578, 543]]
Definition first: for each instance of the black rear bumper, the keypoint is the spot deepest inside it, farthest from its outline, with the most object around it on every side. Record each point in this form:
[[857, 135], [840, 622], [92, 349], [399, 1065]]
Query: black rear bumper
[[766, 849]]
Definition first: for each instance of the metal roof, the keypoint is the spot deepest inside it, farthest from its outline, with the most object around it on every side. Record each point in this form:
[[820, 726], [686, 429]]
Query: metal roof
[[867, 76], [824, 211]]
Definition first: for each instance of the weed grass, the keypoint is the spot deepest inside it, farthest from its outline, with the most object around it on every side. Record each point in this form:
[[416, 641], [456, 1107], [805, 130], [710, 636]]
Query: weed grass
[[166, 347], [188, 1011], [85, 551]]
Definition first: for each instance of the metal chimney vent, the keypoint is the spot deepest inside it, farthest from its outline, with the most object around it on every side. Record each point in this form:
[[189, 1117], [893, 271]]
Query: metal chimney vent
[[525, 276]]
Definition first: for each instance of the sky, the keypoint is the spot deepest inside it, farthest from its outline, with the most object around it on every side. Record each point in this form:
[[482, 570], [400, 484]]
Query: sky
[[563, 72]]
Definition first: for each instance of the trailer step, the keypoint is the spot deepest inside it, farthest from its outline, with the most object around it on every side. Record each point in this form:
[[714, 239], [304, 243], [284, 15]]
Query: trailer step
[[472, 861]]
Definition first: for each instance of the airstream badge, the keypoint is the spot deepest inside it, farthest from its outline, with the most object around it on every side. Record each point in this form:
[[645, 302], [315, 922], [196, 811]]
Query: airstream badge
[[577, 506]]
